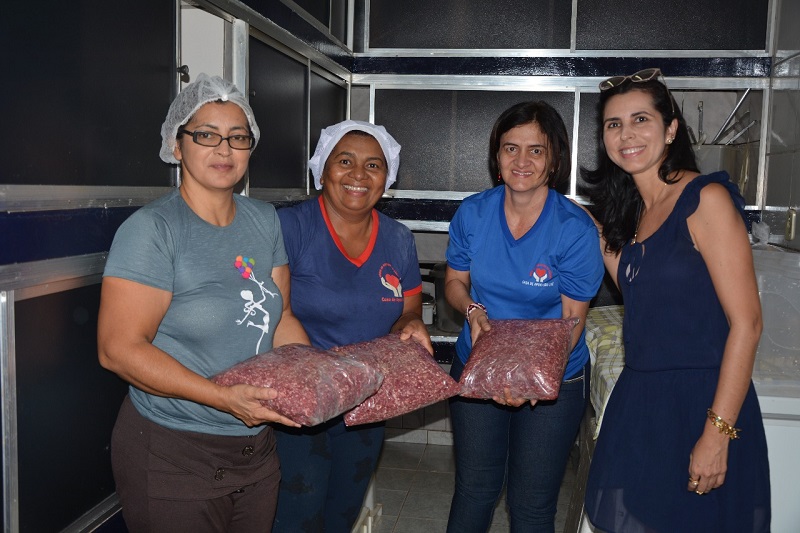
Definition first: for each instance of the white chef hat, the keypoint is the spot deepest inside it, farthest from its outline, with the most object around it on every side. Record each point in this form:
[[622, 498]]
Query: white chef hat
[[332, 134], [201, 91]]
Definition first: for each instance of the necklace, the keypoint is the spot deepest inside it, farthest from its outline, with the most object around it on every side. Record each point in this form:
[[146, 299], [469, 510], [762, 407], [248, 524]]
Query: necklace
[[638, 222], [639, 213]]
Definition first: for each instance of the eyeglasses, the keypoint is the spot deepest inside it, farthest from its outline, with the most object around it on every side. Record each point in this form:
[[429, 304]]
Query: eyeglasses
[[207, 138], [638, 77]]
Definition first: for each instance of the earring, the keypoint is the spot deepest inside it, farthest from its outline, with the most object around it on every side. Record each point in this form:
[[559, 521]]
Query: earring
[[499, 178], [669, 141]]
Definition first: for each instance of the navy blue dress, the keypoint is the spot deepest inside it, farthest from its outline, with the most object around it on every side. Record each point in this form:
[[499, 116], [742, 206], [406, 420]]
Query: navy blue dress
[[674, 333]]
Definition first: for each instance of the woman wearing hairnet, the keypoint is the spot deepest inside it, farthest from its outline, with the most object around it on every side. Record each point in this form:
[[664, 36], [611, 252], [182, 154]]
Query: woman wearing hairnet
[[355, 277], [195, 282]]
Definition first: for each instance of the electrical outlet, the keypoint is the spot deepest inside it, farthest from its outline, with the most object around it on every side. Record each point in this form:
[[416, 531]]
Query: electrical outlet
[[791, 223]]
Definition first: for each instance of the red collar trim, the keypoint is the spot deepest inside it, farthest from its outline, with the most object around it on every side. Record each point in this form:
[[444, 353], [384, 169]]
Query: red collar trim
[[361, 259]]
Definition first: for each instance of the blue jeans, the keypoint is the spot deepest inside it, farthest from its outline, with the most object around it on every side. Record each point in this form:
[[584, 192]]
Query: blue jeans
[[325, 471], [525, 447]]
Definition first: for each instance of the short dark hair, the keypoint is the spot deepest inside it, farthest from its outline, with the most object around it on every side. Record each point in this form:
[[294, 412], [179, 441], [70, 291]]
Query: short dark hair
[[551, 124]]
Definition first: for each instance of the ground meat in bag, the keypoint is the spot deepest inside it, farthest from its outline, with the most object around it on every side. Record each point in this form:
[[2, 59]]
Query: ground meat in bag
[[528, 356], [313, 385], [411, 378]]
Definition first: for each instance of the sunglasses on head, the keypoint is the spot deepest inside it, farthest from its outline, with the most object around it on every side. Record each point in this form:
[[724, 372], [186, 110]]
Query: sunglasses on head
[[638, 77]]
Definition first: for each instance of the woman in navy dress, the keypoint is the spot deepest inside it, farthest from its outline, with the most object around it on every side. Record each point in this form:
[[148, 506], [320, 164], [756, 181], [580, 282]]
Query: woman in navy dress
[[682, 445]]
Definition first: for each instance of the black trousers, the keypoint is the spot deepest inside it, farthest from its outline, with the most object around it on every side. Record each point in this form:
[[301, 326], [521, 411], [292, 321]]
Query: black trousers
[[181, 481]]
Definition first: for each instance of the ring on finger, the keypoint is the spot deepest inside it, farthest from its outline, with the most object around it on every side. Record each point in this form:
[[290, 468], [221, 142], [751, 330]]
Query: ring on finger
[[700, 492], [694, 482]]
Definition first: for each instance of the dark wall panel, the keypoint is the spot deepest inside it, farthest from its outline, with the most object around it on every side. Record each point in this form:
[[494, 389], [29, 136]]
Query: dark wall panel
[[588, 141], [292, 21], [469, 24], [277, 95], [86, 92], [67, 405], [445, 134], [328, 106], [40, 235], [675, 25], [332, 14], [315, 8]]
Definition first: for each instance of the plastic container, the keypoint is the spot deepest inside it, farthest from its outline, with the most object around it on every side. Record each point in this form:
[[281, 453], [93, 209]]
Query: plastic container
[[428, 306], [778, 355]]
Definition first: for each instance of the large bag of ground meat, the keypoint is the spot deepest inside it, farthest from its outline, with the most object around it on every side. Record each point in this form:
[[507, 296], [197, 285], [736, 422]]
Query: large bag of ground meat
[[527, 356], [313, 385], [411, 378]]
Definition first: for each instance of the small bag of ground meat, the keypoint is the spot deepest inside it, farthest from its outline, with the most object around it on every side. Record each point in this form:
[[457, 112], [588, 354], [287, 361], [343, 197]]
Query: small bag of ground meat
[[527, 356], [411, 378], [313, 385]]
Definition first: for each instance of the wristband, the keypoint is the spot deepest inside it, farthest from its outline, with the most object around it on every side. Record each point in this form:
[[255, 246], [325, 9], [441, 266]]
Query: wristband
[[473, 306]]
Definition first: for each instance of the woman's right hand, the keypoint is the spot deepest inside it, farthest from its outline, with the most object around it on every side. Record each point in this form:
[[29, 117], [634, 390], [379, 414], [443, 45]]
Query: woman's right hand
[[478, 323], [244, 402]]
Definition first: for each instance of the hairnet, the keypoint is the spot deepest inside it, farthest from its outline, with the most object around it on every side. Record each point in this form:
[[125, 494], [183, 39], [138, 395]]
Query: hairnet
[[332, 134], [198, 93]]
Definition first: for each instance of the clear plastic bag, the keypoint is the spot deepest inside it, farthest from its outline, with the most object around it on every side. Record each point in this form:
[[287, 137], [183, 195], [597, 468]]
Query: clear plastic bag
[[411, 378], [313, 385], [527, 356]]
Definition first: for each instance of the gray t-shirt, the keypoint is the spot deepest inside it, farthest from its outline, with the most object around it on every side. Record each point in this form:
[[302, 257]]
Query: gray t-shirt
[[225, 305]]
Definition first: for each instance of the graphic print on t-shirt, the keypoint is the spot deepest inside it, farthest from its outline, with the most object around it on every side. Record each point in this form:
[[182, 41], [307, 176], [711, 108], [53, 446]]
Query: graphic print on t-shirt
[[252, 307], [541, 273], [542, 276], [391, 280]]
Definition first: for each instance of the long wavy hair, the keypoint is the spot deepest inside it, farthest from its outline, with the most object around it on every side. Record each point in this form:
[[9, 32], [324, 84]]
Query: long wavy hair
[[552, 125], [616, 201]]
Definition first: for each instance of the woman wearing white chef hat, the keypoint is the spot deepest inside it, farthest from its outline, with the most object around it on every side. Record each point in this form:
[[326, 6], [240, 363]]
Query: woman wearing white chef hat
[[355, 277]]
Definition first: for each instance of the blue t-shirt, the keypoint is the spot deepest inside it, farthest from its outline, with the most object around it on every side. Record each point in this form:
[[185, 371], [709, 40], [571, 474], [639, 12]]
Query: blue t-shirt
[[525, 278], [225, 305], [342, 300]]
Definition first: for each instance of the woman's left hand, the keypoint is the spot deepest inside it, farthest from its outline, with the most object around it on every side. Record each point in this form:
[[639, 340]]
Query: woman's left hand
[[708, 461], [416, 330], [507, 399]]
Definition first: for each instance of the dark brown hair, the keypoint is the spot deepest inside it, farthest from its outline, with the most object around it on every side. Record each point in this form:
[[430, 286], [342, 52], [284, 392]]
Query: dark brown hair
[[551, 124]]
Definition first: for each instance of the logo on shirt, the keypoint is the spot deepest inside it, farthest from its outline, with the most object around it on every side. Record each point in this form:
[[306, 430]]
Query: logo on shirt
[[541, 273], [542, 276], [253, 308], [391, 280]]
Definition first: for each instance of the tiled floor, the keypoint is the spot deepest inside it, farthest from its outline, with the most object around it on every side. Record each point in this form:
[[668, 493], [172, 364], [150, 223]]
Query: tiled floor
[[414, 483]]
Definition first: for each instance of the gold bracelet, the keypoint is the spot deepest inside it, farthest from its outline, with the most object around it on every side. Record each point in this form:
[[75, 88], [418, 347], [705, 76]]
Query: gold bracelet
[[724, 427]]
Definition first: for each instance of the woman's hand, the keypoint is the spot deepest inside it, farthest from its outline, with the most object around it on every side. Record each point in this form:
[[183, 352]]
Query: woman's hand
[[243, 402], [416, 330], [708, 461], [456, 290], [507, 399], [478, 323], [410, 324]]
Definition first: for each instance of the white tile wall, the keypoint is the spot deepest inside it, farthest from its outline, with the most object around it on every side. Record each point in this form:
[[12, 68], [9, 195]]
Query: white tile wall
[[430, 425]]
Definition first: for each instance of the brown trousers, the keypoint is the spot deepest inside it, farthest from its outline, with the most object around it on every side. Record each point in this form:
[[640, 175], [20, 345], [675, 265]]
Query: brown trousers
[[181, 481]]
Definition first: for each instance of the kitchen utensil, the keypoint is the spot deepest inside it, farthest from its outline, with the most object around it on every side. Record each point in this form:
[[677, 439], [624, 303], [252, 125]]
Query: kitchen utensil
[[752, 123], [428, 308], [692, 138], [744, 170], [735, 126], [727, 120], [701, 138]]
